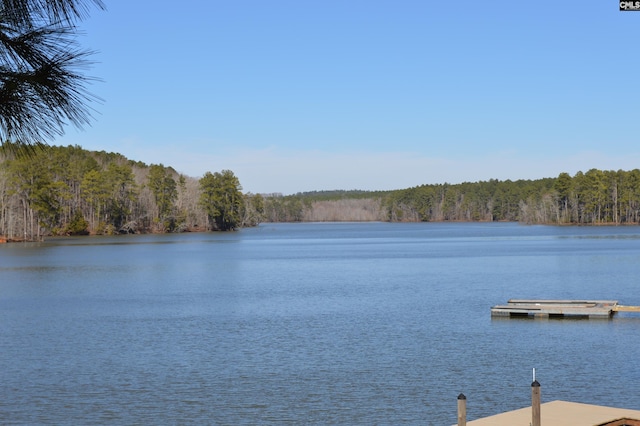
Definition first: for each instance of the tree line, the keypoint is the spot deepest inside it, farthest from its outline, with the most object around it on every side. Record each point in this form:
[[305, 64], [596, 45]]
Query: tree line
[[72, 191], [592, 198]]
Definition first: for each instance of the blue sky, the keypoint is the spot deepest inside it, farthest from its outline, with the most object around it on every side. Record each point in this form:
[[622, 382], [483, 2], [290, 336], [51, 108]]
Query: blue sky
[[316, 95]]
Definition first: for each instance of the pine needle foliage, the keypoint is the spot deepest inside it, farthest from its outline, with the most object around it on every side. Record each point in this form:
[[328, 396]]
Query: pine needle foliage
[[42, 86]]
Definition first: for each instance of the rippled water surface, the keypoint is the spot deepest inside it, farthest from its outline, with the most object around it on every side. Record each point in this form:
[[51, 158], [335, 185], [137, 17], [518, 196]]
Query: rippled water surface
[[370, 323]]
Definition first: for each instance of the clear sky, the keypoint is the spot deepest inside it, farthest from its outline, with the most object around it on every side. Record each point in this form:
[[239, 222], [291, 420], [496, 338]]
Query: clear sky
[[309, 95]]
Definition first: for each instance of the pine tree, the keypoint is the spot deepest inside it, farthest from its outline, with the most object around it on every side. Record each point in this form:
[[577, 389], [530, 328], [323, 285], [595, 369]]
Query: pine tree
[[41, 88]]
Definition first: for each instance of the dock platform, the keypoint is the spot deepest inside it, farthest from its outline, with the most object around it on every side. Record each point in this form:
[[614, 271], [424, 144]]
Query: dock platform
[[560, 308], [566, 414]]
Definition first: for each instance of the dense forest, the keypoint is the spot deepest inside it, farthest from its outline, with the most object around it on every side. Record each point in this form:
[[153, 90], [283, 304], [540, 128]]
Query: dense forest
[[72, 191], [593, 198]]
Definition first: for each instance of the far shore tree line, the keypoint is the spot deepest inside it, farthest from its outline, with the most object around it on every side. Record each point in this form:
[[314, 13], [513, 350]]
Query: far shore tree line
[[72, 191], [595, 197]]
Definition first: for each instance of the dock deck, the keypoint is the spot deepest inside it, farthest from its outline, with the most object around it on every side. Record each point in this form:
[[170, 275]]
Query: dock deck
[[566, 414], [558, 308]]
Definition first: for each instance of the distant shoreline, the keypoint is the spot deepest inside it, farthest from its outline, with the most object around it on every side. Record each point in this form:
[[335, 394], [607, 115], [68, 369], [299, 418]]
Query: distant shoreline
[[6, 240]]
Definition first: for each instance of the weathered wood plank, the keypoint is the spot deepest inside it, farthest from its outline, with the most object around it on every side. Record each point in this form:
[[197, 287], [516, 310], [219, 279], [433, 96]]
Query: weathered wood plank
[[623, 308]]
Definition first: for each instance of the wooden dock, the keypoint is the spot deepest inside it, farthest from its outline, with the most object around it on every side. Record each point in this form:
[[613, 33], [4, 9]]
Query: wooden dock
[[566, 414], [560, 308]]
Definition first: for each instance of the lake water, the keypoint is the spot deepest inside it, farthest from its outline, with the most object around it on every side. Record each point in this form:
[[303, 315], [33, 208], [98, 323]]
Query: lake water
[[336, 323]]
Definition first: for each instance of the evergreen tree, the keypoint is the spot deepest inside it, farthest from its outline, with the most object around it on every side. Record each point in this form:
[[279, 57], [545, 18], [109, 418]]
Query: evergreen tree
[[222, 199], [165, 192], [41, 88]]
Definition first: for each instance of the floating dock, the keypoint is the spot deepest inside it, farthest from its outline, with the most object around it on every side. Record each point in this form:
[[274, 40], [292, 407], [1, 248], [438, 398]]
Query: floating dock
[[560, 308]]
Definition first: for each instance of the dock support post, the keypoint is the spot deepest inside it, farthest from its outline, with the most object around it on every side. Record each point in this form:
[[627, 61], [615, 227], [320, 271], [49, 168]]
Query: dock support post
[[462, 410], [535, 403]]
